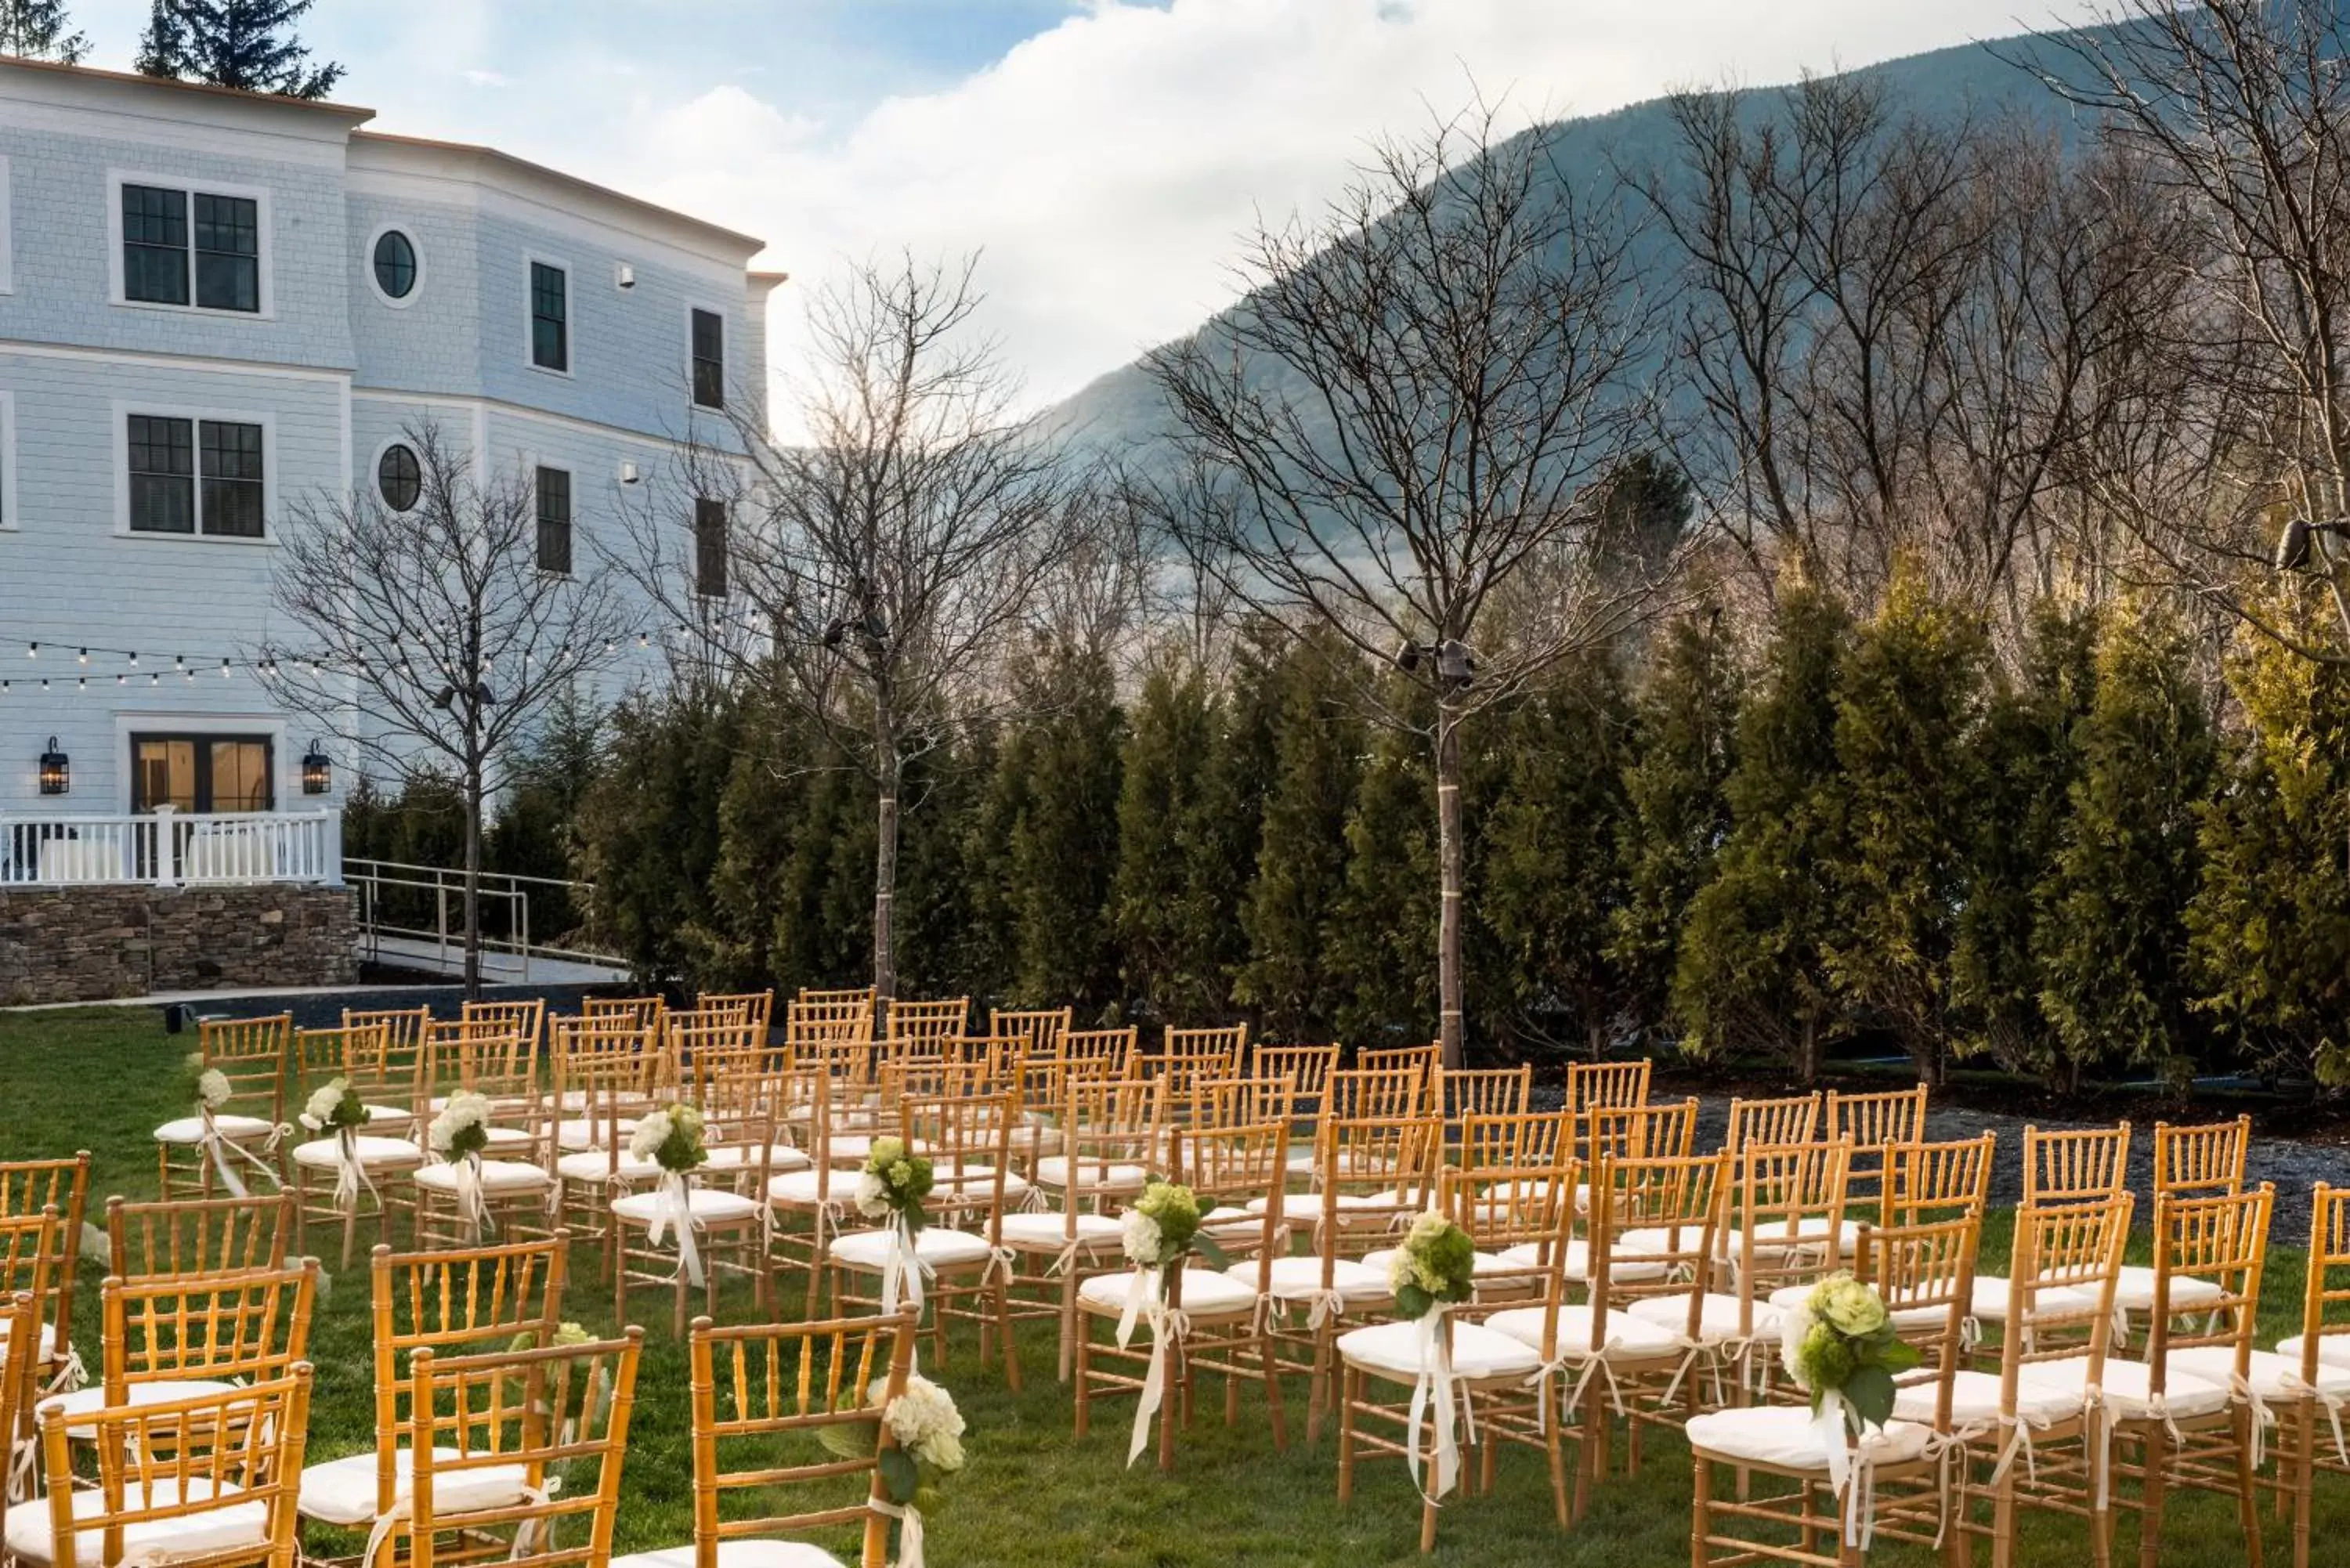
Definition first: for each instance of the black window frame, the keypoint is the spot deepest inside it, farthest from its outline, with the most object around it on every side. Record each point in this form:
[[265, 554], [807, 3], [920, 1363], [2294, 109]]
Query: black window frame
[[187, 248], [216, 472], [413, 479], [543, 322], [553, 491], [710, 542], [203, 792], [709, 360], [376, 263]]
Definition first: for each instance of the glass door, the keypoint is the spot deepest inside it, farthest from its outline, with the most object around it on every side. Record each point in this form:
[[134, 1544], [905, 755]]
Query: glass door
[[201, 773]]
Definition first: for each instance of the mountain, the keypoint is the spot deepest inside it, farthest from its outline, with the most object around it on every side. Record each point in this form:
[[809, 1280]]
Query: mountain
[[1122, 411]]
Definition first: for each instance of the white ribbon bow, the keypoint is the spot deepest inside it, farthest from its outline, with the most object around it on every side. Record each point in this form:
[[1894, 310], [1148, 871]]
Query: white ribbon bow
[[220, 1146], [472, 1206], [673, 1206], [350, 1173], [1852, 1473], [903, 1270], [1169, 1327], [910, 1530], [1436, 1392]]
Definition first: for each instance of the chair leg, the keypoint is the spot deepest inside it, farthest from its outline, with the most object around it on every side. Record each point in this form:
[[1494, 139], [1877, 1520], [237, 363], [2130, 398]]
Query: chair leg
[[1003, 1333], [1068, 1320], [1267, 1359], [2248, 1507], [1701, 1508], [1081, 1349], [2150, 1524], [2304, 1480], [1350, 1389]]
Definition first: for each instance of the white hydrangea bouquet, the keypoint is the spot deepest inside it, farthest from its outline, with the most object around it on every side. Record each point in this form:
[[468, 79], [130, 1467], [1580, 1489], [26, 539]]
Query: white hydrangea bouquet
[[1840, 1347], [671, 1137], [1436, 1267], [214, 1091], [890, 1188], [459, 1135], [1158, 1233], [925, 1447], [334, 1111], [1434, 1271]]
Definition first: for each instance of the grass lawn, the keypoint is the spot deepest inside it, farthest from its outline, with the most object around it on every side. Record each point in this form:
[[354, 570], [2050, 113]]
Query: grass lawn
[[102, 1079]]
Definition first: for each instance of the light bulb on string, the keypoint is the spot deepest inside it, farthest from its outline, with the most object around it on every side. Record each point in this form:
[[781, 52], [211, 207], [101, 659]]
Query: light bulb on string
[[31, 650], [134, 658], [85, 656], [154, 678], [120, 678], [224, 669]]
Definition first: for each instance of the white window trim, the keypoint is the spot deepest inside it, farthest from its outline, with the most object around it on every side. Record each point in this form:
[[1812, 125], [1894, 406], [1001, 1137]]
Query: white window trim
[[570, 316], [725, 357], [7, 230], [116, 179], [9, 522], [370, 483], [286, 775], [269, 472], [531, 463], [367, 266]]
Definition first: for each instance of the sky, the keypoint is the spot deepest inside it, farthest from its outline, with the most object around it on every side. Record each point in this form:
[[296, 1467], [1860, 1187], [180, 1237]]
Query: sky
[[1104, 156]]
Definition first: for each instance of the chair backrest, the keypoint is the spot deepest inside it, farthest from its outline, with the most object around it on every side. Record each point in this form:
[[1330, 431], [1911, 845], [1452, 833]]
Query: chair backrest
[[2222, 1244], [166, 1471], [31, 1186], [1371, 1174], [352, 1051], [251, 1053], [2074, 1165], [1227, 1167], [1655, 1225], [396, 1069], [2208, 1159], [1787, 1194], [611, 1050], [486, 1056], [405, 1025], [967, 1138], [1485, 1091], [1925, 1273], [527, 1019], [2062, 1267], [756, 1006], [2325, 1288], [1796, 1120], [1615, 1085], [1929, 1181], [1874, 1123], [1666, 1131], [1039, 1029], [1426, 1058], [20, 1355], [823, 1018], [762, 1396], [942, 1019], [1110, 1121], [1230, 1100], [30, 1249], [183, 1236], [634, 1012], [1371, 1092], [557, 1413], [1112, 1049], [1506, 1195], [1230, 1044], [1307, 1067], [242, 1327], [1512, 1137]]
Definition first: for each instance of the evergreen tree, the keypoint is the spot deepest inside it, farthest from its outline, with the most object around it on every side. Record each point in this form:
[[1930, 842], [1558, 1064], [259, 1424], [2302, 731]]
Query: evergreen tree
[[2027, 755], [1552, 882], [650, 830], [1908, 701], [1385, 907], [1677, 805], [248, 45], [1317, 746], [2269, 927], [1064, 846], [1169, 954], [2111, 939], [1752, 969], [39, 30]]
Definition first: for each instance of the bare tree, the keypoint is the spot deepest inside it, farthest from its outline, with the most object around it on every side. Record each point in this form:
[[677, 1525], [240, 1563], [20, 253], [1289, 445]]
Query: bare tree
[[1414, 409], [432, 635], [878, 571]]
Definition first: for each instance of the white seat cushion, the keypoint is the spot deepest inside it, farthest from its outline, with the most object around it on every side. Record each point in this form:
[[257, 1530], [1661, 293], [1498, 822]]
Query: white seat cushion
[[1628, 1338], [736, 1155], [1486, 1264], [805, 1188], [972, 1184], [598, 1165], [1788, 1438], [1576, 1264], [933, 1244], [588, 1132], [1093, 1176], [712, 1206], [342, 1491], [1392, 1349], [374, 1153], [2129, 1388], [737, 1554], [390, 1117], [223, 1528], [1991, 1300], [1717, 1317], [49, 1339], [2134, 1292], [498, 1177], [1352, 1164], [1974, 1401], [1030, 1140], [509, 1141], [1205, 1293], [1300, 1279], [2333, 1349], [1773, 1240], [191, 1129], [1351, 1207], [163, 1391], [2271, 1376], [1041, 1230]]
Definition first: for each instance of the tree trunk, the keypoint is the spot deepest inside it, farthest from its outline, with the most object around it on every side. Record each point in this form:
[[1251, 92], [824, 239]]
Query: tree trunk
[[473, 880], [1810, 1063], [1449, 898], [885, 877]]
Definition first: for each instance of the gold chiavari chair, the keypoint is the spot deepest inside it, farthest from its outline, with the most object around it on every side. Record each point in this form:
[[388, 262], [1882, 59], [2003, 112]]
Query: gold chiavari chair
[[2076, 1165], [2034, 1440], [1227, 1100], [236, 1142], [684, 1231], [513, 1181], [1926, 1182], [1229, 1045], [1307, 1067], [600, 1048], [388, 1069], [479, 1298], [1101, 1050], [1195, 1318], [1892, 1473], [1794, 1120], [557, 1415], [1485, 1091], [1039, 1029], [168, 1339], [30, 1188], [1874, 1124], [172, 1238], [525, 1019], [1369, 1094], [1426, 1058], [758, 1007], [812, 1202], [594, 1163], [207, 1481], [2207, 1160], [1789, 1203], [758, 1388], [336, 1174], [816, 1027], [917, 1023], [1111, 1129], [630, 1011], [2319, 1357], [706, 1039], [20, 1335], [1616, 1085]]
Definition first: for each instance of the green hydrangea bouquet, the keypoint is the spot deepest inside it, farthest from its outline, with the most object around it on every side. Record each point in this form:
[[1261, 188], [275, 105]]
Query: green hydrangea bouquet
[[1841, 1343]]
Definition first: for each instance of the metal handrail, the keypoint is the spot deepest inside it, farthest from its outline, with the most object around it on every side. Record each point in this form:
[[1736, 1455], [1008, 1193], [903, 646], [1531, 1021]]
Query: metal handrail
[[370, 877]]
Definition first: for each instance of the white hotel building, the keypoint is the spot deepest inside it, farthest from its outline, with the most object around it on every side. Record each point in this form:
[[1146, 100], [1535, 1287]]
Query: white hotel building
[[215, 306]]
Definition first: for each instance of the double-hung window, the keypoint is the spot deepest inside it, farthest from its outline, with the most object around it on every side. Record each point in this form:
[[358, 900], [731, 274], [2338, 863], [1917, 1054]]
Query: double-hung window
[[554, 520], [190, 247], [709, 547], [195, 476], [710, 358], [550, 316]]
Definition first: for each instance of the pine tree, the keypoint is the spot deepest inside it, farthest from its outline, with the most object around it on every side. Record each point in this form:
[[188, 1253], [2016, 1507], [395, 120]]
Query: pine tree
[[1163, 796], [1677, 805], [1907, 704], [2027, 755], [1751, 969], [248, 45], [1385, 906], [2269, 927], [39, 30], [1064, 846], [2111, 939], [1552, 882]]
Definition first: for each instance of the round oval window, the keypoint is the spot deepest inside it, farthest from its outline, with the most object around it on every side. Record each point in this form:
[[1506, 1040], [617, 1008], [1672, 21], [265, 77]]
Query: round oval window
[[397, 478], [395, 264]]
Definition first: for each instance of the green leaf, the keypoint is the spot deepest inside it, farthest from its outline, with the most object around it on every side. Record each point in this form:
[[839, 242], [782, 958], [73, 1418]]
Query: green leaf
[[1899, 1356], [1869, 1391], [900, 1477], [849, 1439], [1212, 1254], [1413, 1303]]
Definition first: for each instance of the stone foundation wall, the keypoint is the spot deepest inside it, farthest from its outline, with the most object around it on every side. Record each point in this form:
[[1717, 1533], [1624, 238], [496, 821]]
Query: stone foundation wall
[[86, 944]]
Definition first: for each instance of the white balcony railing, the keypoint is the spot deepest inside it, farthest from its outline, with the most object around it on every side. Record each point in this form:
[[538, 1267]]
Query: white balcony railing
[[170, 848]]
